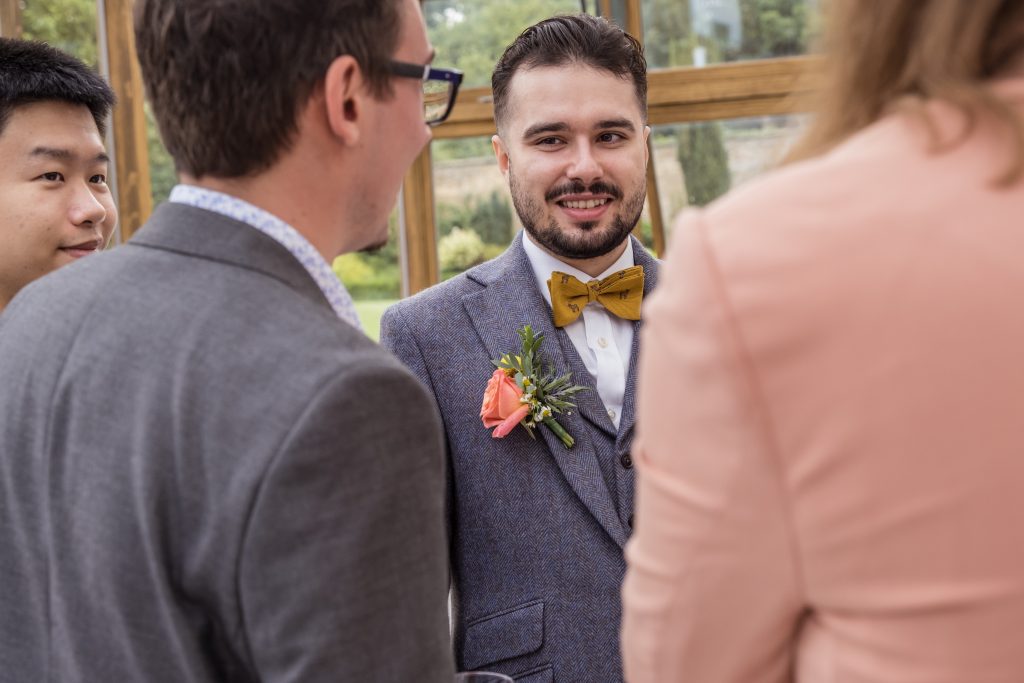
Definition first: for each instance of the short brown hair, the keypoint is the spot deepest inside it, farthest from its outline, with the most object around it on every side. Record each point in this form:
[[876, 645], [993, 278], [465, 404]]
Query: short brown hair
[[567, 39], [881, 54], [227, 79]]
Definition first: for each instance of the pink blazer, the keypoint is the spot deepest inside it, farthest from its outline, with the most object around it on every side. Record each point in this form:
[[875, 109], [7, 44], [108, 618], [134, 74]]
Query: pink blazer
[[831, 424]]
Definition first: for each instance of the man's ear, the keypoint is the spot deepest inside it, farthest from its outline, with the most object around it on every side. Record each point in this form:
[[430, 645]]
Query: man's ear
[[501, 152], [345, 95], [647, 147]]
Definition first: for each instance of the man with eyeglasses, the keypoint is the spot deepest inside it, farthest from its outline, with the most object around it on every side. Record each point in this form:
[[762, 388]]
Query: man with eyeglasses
[[209, 473], [538, 525]]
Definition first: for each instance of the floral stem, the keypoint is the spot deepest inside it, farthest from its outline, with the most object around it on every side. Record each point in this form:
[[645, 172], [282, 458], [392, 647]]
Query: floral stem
[[563, 435]]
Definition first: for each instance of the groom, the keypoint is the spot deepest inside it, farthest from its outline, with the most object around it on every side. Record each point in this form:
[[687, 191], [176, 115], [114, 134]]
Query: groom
[[537, 529]]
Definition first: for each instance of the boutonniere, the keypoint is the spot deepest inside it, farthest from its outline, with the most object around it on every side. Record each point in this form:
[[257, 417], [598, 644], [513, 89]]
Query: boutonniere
[[523, 390]]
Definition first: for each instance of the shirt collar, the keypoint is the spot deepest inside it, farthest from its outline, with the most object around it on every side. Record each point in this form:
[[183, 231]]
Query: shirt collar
[[544, 264]]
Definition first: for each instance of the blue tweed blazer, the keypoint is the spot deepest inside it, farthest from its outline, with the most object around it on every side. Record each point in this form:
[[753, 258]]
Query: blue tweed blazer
[[537, 530]]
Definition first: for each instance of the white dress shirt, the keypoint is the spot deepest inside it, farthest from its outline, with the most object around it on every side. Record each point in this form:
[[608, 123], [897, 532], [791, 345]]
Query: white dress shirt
[[604, 341]]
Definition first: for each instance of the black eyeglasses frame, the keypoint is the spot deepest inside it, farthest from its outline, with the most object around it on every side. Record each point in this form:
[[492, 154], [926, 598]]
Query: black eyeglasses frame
[[426, 72]]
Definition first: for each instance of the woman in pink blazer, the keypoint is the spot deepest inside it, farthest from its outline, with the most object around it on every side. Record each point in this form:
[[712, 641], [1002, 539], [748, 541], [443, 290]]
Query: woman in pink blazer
[[831, 419]]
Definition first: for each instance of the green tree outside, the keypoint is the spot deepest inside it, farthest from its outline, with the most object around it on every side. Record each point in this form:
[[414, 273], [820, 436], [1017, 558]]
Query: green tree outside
[[69, 25], [705, 162]]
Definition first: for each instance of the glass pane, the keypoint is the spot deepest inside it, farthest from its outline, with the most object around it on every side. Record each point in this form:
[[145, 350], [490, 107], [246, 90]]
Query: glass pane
[[373, 279], [66, 24], [470, 35], [473, 211], [435, 99], [700, 32], [698, 162]]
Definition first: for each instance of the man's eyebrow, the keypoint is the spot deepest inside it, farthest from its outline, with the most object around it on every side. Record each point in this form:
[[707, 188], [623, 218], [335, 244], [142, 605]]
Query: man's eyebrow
[[617, 123], [561, 127], [538, 128], [60, 154], [53, 153]]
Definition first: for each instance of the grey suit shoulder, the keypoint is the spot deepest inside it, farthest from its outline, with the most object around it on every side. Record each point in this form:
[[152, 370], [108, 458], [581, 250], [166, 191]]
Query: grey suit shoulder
[[207, 480]]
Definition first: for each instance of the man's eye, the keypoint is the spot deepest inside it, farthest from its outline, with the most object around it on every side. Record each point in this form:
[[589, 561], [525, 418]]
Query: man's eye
[[99, 179], [549, 141], [53, 176], [610, 137]]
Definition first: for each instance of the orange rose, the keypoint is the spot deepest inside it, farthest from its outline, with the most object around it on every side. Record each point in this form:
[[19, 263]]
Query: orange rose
[[501, 407]]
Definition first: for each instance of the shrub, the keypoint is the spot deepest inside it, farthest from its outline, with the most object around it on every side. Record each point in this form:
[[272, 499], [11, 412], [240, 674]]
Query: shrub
[[460, 249]]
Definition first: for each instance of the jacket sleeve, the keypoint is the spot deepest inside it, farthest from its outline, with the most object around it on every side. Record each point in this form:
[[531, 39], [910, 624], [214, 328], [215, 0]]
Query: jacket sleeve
[[712, 592], [343, 574], [398, 337]]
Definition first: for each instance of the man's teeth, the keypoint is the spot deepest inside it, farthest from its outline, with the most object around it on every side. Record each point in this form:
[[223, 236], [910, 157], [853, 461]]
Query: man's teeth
[[589, 204]]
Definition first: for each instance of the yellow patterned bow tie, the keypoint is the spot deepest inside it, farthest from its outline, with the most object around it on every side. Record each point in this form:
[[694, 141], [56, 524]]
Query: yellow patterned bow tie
[[620, 293]]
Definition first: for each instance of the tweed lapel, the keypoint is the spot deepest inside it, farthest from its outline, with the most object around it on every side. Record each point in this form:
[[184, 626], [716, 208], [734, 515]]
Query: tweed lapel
[[628, 421], [509, 300]]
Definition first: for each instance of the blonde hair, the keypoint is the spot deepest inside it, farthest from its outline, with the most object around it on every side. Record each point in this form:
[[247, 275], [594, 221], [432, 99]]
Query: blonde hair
[[883, 54]]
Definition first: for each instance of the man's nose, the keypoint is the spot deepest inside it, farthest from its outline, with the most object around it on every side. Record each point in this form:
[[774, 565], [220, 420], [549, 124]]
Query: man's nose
[[585, 166], [86, 208]]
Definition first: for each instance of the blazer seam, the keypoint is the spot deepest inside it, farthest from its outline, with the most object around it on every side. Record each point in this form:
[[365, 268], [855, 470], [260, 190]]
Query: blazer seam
[[504, 612], [536, 670], [747, 371], [300, 417]]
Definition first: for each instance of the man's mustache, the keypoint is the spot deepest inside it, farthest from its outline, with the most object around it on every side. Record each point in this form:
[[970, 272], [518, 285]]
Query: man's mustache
[[577, 187]]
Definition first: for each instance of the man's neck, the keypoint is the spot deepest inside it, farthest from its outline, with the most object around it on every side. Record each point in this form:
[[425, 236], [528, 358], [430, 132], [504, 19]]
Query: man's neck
[[297, 205], [591, 266]]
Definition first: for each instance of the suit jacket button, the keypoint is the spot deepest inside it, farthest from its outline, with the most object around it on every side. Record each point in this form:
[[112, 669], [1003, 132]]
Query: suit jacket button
[[626, 461]]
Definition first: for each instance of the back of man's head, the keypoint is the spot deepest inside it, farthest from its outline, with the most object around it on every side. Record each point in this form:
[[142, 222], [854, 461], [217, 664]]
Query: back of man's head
[[227, 79], [570, 39], [35, 72]]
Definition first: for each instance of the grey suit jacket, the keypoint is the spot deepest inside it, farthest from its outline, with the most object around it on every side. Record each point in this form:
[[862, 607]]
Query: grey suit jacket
[[537, 529], [206, 476]]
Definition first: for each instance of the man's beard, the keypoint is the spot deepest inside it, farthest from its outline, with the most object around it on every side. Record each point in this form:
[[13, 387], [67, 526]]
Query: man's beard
[[594, 242]]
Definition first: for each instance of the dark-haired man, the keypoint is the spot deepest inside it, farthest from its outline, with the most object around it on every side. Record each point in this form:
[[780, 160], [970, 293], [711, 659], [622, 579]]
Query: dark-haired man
[[208, 472], [54, 198], [537, 528]]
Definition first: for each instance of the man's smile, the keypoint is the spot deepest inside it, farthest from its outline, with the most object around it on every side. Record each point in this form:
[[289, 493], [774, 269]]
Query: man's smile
[[83, 248]]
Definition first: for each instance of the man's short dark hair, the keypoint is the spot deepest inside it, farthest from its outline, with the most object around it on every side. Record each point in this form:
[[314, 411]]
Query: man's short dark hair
[[227, 79], [578, 38], [35, 72]]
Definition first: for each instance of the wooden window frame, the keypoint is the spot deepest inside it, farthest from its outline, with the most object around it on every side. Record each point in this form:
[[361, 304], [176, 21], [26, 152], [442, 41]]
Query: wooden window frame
[[10, 18], [132, 180]]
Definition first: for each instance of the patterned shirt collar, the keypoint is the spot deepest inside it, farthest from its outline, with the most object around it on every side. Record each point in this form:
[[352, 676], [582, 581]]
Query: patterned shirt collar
[[282, 233]]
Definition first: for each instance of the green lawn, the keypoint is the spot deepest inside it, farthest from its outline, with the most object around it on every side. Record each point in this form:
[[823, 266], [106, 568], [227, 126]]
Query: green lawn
[[370, 311]]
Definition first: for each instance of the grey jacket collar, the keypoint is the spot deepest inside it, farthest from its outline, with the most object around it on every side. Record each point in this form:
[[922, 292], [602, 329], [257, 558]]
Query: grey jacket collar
[[204, 234]]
